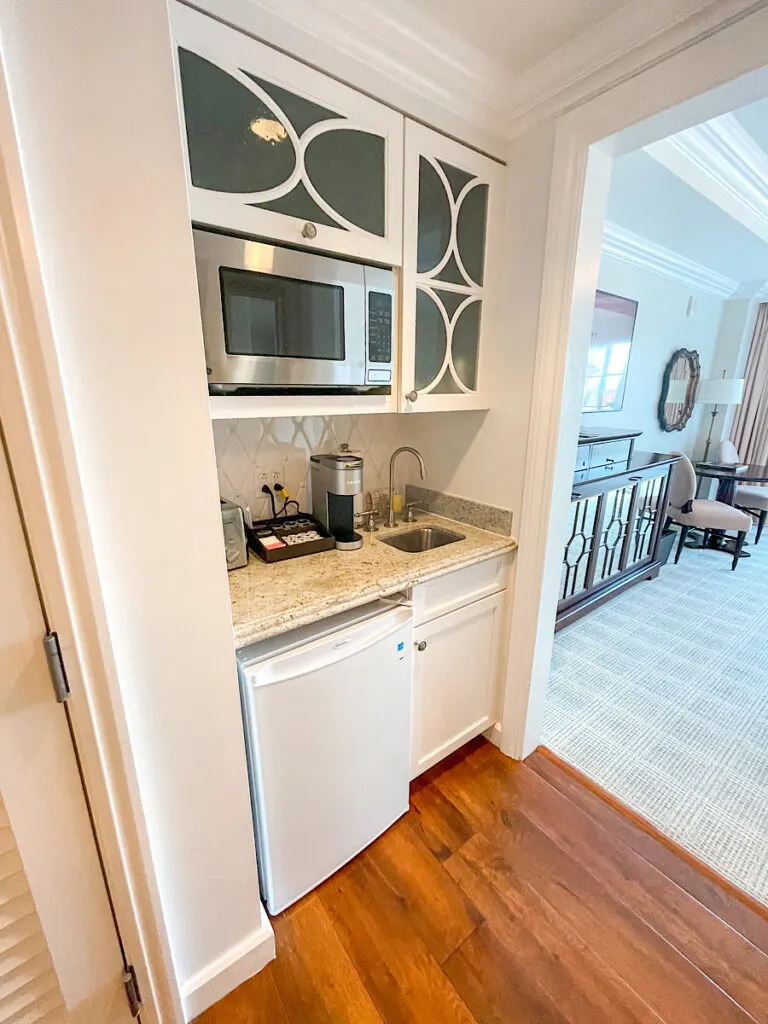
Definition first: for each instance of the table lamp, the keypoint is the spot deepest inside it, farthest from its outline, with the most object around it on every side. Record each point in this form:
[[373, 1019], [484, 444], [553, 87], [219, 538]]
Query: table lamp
[[719, 391]]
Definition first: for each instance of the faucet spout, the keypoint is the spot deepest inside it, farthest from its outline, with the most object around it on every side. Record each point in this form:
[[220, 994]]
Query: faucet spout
[[391, 521]]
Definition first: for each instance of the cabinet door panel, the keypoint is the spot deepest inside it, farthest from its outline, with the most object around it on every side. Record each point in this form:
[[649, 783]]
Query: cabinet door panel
[[455, 680], [451, 237], [278, 150]]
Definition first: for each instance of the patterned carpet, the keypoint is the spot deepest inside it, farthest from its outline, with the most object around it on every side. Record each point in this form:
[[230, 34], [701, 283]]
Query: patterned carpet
[[661, 697]]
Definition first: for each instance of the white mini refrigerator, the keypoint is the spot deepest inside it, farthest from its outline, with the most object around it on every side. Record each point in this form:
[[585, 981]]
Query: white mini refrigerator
[[327, 713]]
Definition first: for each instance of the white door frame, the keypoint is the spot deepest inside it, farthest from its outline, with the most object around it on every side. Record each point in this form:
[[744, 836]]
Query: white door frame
[[715, 75], [41, 451]]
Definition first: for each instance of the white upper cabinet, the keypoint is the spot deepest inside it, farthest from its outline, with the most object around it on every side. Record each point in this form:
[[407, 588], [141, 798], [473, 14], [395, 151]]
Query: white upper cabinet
[[280, 151], [453, 210]]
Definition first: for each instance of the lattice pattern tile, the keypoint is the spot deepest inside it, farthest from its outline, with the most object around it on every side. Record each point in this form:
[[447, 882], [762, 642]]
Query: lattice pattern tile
[[661, 696], [245, 447]]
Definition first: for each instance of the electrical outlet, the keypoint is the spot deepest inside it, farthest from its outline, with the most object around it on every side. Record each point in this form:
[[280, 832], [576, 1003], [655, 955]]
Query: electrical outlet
[[271, 475]]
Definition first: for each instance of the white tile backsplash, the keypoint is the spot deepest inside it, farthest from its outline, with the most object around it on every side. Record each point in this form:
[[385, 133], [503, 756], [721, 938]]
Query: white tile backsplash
[[245, 447]]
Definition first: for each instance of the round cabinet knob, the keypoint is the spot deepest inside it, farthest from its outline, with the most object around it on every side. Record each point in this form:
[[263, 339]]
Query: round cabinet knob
[[309, 230], [422, 646], [412, 396]]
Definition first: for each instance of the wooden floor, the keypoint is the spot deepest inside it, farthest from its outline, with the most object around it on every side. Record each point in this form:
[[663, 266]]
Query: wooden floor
[[511, 893]]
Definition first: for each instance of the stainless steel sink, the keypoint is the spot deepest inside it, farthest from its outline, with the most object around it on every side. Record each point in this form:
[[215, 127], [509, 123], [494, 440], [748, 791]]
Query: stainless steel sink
[[423, 538]]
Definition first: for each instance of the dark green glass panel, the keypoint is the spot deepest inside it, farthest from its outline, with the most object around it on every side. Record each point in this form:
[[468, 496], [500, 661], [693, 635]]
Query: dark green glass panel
[[450, 300], [456, 179], [347, 168], [301, 112], [451, 273], [470, 232], [430, 340], [299, 203], [434, 219], [446, 385], [224, 154], [465, 343]]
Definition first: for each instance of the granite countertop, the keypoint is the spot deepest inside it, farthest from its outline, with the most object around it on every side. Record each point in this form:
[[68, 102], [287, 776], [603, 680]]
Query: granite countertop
[[271, 599]]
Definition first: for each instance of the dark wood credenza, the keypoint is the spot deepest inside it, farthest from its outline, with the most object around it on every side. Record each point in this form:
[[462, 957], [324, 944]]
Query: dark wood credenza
[[617, 516]]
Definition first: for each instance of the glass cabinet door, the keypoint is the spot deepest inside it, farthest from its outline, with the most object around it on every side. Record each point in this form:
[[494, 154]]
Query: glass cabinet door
[[452, 216], [279, 150]]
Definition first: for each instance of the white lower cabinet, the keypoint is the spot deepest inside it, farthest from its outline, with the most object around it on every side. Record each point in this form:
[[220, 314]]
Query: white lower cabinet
[[455, 679]]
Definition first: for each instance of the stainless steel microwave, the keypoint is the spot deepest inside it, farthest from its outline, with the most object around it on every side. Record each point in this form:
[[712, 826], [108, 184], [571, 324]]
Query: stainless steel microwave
[[278, 320]]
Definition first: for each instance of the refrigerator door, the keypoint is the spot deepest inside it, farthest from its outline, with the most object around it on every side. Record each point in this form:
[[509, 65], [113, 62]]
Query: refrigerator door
[[328, 733]]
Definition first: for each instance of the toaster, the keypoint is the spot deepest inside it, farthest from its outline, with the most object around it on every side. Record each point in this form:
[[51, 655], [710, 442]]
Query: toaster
[[235, 544]]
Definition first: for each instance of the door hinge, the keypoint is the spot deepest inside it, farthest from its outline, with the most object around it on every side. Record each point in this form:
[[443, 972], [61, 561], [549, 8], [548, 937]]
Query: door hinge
[[56, 667], [132, 990]]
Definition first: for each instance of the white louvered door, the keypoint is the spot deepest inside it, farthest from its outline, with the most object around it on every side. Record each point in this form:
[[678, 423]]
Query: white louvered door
[[29, 988], [60, 958]]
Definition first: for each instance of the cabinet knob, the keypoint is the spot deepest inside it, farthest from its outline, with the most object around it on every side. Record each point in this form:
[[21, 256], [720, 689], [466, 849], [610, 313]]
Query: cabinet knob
[[421, 646], [309, 230], [412, 396]]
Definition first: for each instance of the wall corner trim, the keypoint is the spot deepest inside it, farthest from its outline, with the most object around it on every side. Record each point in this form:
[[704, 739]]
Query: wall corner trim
[[236, 965]]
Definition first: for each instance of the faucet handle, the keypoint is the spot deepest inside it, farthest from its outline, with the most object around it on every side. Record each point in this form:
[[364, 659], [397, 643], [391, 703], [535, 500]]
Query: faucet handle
[[368, 520]]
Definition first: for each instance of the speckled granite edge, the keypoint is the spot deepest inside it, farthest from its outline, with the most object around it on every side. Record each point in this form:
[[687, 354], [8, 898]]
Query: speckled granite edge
[[246, 635], [462, 510], [271, 599]]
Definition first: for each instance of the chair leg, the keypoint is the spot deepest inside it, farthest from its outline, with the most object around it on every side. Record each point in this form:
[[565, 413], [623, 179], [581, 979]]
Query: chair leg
[[681, 543], [740, 538], [705, 538], [761, 524]]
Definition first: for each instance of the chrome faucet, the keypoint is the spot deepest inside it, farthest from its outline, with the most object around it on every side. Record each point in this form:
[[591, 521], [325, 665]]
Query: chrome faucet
[[391, 521]]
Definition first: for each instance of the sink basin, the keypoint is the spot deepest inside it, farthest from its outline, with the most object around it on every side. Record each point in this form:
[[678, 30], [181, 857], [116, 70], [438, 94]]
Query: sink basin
[[423, 538]]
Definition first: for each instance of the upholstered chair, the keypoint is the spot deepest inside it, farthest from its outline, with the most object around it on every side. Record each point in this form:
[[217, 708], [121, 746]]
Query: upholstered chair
[[751, 497], [690, 512]]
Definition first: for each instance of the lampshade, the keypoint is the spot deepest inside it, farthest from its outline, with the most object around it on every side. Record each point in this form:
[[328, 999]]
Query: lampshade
[[720, 391]]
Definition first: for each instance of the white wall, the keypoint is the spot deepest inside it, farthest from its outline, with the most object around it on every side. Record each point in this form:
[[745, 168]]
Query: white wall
[[661, 327], [92, 91]]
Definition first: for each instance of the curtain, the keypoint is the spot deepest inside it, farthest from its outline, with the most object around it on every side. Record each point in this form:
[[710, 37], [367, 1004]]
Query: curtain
[[750, 427]]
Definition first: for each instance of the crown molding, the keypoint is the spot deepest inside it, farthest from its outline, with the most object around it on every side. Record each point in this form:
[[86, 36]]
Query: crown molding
[[625, 245], [388, 51], [637, 36], [404, 57], [721, 161]]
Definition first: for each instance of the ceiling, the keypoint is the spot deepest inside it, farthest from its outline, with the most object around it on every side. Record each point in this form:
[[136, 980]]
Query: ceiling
[[516, 33], [484, 71], [703, 195]]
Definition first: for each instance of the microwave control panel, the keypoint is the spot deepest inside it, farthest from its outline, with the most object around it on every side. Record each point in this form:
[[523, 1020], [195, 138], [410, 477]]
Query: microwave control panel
[[379, 327]]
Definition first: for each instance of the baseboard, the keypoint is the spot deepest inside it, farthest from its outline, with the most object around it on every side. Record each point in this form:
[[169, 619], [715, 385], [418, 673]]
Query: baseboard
[[493, 735], [231, 969]]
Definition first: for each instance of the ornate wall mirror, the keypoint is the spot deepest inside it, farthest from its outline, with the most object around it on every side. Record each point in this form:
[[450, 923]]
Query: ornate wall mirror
[[678, 389]]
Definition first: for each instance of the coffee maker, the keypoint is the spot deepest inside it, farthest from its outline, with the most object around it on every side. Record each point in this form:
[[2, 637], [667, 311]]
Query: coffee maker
[[337, 481]]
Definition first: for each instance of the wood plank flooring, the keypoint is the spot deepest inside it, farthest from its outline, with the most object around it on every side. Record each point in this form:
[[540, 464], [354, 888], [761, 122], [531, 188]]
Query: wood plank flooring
[[511, 894]]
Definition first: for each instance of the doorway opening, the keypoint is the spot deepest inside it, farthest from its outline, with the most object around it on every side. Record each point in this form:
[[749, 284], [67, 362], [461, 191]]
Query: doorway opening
[[659, 679]]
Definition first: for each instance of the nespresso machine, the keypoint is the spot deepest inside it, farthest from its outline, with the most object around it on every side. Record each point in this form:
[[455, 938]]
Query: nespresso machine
[[337, 488]]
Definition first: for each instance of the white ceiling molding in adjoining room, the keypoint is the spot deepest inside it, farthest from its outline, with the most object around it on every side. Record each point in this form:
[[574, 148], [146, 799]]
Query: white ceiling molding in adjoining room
[[721, 161], [625, 245]]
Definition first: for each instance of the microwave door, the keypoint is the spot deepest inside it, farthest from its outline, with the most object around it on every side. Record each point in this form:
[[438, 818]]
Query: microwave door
[[286, 319]]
